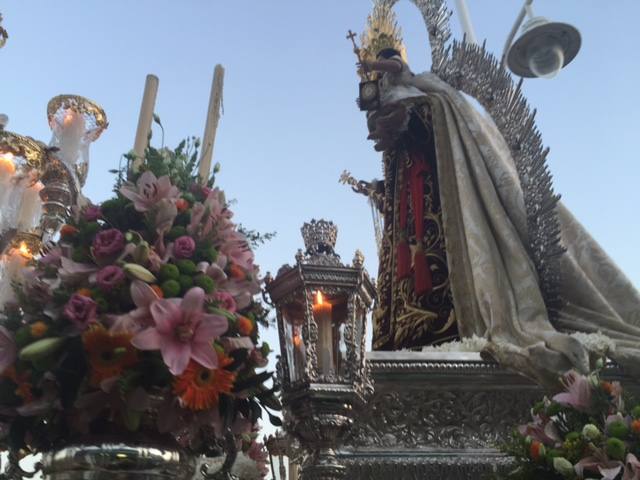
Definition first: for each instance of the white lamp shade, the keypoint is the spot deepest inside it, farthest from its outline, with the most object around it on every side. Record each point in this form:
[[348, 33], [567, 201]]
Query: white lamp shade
[[543, 49]]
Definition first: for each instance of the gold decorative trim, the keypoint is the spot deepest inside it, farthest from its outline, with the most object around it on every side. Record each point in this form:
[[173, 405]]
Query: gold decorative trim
[[95, 116], [31, 150]]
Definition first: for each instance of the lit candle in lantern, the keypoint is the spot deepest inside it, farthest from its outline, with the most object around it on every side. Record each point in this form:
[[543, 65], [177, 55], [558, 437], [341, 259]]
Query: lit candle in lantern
[[322, 311]]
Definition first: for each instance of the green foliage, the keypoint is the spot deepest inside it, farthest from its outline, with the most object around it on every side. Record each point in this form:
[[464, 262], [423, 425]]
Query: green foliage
[[255, 238], [204, 282], [170, 288], [180, 164], [186, 267], [169, 271]]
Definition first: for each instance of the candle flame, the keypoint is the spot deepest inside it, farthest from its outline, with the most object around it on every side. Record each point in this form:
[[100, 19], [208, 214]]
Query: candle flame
[[68, 118], [319, 298], [24, 251], [7, 164]]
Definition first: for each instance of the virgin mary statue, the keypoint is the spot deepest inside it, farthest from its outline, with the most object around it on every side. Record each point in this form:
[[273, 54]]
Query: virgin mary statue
[[460, 245]]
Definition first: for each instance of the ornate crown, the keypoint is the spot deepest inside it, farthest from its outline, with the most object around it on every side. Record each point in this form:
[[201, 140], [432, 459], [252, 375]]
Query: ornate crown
[[319, 237], [382, 32]]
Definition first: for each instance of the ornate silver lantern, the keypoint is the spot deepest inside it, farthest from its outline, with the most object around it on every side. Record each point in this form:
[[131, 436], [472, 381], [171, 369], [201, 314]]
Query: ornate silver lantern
[[321, 307]]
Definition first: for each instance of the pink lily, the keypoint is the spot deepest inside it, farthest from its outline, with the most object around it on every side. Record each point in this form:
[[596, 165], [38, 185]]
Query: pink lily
[[149, 190], [578, 392], [546, 433], [74, 272], [631, 468], [182, 331], [236, 248], [134, 321], [8, 349]]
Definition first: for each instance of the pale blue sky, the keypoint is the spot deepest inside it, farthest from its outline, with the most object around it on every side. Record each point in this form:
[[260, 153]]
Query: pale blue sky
[[291, 124]]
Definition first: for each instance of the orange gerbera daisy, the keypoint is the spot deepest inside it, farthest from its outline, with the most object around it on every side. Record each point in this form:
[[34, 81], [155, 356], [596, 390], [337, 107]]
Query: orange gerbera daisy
[[199, 388], [109, 353]]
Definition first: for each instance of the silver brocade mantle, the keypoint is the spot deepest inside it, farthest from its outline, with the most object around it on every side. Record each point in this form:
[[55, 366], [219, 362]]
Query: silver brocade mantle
[[440, 416]]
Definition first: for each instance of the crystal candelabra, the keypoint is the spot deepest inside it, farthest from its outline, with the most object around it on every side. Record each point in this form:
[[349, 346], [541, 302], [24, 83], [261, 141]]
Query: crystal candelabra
[[40, 184]]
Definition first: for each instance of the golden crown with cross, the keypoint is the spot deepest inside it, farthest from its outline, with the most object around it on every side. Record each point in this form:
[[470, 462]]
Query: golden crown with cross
[[382, 32]]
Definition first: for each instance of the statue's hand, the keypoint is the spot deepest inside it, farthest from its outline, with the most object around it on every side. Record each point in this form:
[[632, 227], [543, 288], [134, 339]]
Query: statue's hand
[[364, 66]]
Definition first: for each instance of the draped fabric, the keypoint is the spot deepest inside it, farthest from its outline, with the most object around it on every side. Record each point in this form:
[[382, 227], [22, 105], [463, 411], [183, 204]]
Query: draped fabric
[[493, 280]]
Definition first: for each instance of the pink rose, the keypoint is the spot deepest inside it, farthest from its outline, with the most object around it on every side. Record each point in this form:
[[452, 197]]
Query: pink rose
[[108, 243], [80, 310], [184, 247], [225, 300], [92, 213], [110, 277]]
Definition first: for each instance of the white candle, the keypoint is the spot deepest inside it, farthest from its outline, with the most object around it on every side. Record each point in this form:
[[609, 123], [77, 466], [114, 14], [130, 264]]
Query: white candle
[[213, 117], [7, 169], [12, 266], [30, 208], [68, 138], [145, 119], [322, 313]]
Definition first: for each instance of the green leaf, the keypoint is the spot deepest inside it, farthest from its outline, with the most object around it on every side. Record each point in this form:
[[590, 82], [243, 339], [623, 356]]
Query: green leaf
[[252, 381], [275, 421]]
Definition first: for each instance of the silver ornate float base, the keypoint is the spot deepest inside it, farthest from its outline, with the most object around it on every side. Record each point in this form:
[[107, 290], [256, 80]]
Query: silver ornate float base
[[117, 461], [439, 415]]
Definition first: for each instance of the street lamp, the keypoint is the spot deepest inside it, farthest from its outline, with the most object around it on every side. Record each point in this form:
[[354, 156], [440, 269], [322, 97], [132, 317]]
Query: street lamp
[[321, 307], [544, 47]]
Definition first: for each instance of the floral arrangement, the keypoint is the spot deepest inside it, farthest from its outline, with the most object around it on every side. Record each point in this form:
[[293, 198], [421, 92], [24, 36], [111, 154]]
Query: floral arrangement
[[143, 319], [589, 431]]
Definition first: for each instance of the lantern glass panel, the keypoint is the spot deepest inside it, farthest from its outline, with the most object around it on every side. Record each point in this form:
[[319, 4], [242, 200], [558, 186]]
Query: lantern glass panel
[[293, 314]]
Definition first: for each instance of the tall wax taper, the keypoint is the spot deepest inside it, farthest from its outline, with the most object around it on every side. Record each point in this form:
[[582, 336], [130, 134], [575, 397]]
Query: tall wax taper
[[145, 119], [213, 117]]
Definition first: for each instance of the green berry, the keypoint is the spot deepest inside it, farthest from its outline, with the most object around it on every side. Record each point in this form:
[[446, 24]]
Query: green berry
[[618, 429], [176, 232], [636, 411], [170, 288], [208, 254], [186, 282], [169, 272], [615, 448], [186, 267], [205, 283]]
